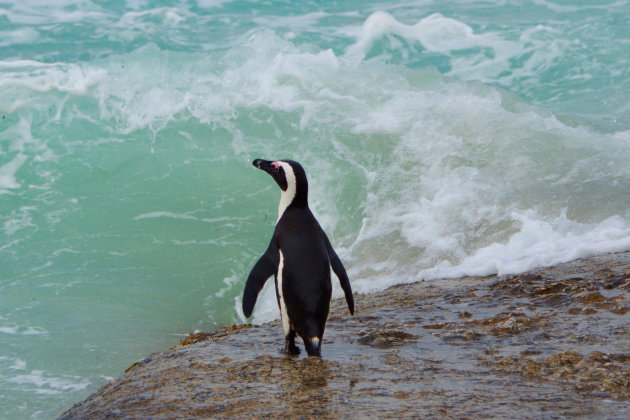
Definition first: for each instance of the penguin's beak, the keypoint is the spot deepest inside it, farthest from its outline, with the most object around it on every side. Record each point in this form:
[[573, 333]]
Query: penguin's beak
[[273, 168], [265, 165]]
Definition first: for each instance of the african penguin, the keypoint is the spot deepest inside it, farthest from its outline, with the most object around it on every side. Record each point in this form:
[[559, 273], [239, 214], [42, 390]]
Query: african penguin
[[300, 257]]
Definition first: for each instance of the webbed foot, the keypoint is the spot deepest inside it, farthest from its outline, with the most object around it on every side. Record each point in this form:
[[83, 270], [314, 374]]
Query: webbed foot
[[291, 348], [289, 344]]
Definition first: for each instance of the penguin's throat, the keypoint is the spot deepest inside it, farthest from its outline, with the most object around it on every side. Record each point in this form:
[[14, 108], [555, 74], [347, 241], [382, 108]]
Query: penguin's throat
[[286, 198], [288, 195]]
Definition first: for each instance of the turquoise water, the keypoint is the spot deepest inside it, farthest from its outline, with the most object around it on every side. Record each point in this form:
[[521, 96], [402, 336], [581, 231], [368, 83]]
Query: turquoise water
[[472, 137]]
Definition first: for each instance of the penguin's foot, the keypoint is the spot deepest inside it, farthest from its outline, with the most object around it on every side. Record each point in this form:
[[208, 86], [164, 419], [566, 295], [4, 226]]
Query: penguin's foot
[[289, 344], [291, 348], [313, 346]]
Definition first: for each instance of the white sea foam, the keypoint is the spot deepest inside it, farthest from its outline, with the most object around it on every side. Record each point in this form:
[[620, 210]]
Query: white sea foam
[[169, 16], [436, 33], [482, 200], [168, 214], [482, 56], [211, 4], [294, 22], [43, 383], [183, 216], [229, 282], [36, 77], [540, 243], [623, 135], [16, 363], [41, 12], [18, 36], [266, 308], [561, 8], [17, 330], [8, 171]]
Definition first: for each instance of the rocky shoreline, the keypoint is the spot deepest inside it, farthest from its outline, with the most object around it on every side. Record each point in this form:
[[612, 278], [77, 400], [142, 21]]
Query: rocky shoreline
[[553, 342]]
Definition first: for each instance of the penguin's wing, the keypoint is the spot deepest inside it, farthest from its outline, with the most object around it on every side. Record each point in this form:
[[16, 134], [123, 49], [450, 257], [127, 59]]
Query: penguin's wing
[[264, 268], [340, 271]]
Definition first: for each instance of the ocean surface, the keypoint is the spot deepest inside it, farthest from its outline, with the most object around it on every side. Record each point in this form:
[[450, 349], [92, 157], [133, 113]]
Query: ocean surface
[[440, 139]]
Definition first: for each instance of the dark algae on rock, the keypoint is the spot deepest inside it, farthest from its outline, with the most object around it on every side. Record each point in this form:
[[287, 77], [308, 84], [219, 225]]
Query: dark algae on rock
[[550, 343]]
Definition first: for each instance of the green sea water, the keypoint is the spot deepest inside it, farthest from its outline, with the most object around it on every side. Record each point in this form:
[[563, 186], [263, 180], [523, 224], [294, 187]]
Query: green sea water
[[440, 139]]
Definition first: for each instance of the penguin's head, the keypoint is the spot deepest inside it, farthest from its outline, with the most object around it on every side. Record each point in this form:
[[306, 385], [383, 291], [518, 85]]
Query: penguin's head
[[290, 177]]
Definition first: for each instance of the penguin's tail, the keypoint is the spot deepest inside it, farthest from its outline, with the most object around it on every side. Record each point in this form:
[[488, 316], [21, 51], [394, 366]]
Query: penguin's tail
[[313, 346]]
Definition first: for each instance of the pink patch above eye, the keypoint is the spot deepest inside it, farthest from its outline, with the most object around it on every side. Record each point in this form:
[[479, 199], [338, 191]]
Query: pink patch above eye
[[276, 165]]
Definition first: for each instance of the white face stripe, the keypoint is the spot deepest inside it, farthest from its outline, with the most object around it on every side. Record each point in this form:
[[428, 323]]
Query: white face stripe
[[283, 308], [286, 197]]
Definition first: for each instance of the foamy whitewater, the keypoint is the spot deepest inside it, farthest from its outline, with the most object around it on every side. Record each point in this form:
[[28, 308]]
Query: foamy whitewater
[[440, 139]]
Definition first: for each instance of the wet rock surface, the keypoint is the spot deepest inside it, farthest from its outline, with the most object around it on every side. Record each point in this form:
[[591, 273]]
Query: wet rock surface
[[554, 342]]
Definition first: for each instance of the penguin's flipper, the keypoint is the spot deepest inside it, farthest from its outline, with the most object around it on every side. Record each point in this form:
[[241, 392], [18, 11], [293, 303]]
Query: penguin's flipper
[[340, 271], [264, 268]]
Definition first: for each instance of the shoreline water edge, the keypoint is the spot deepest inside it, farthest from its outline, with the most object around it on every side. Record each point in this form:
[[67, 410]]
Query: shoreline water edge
[[554, 341]]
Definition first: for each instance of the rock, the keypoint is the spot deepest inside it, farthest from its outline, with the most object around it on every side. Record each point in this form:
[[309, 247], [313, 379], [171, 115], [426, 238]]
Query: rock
[[386, 339], [526, 346]]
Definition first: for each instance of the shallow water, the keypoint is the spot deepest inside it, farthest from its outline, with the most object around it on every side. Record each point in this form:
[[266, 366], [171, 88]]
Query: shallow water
[[440, 140]]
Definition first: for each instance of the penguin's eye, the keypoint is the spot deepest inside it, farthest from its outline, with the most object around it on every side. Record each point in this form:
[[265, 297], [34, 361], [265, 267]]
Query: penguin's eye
[[276, 168]]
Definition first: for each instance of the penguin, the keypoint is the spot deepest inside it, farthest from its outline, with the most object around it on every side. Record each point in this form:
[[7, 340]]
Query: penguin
[[300, 258]]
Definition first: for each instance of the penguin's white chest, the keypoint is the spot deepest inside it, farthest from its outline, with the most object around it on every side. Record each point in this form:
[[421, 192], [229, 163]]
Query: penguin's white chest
[[283, 307]]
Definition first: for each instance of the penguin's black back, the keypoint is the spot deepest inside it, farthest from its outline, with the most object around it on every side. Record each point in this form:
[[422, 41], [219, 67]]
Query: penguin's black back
[[306, 271]]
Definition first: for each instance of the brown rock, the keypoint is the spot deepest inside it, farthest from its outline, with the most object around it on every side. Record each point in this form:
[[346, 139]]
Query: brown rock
[[409, 352]]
